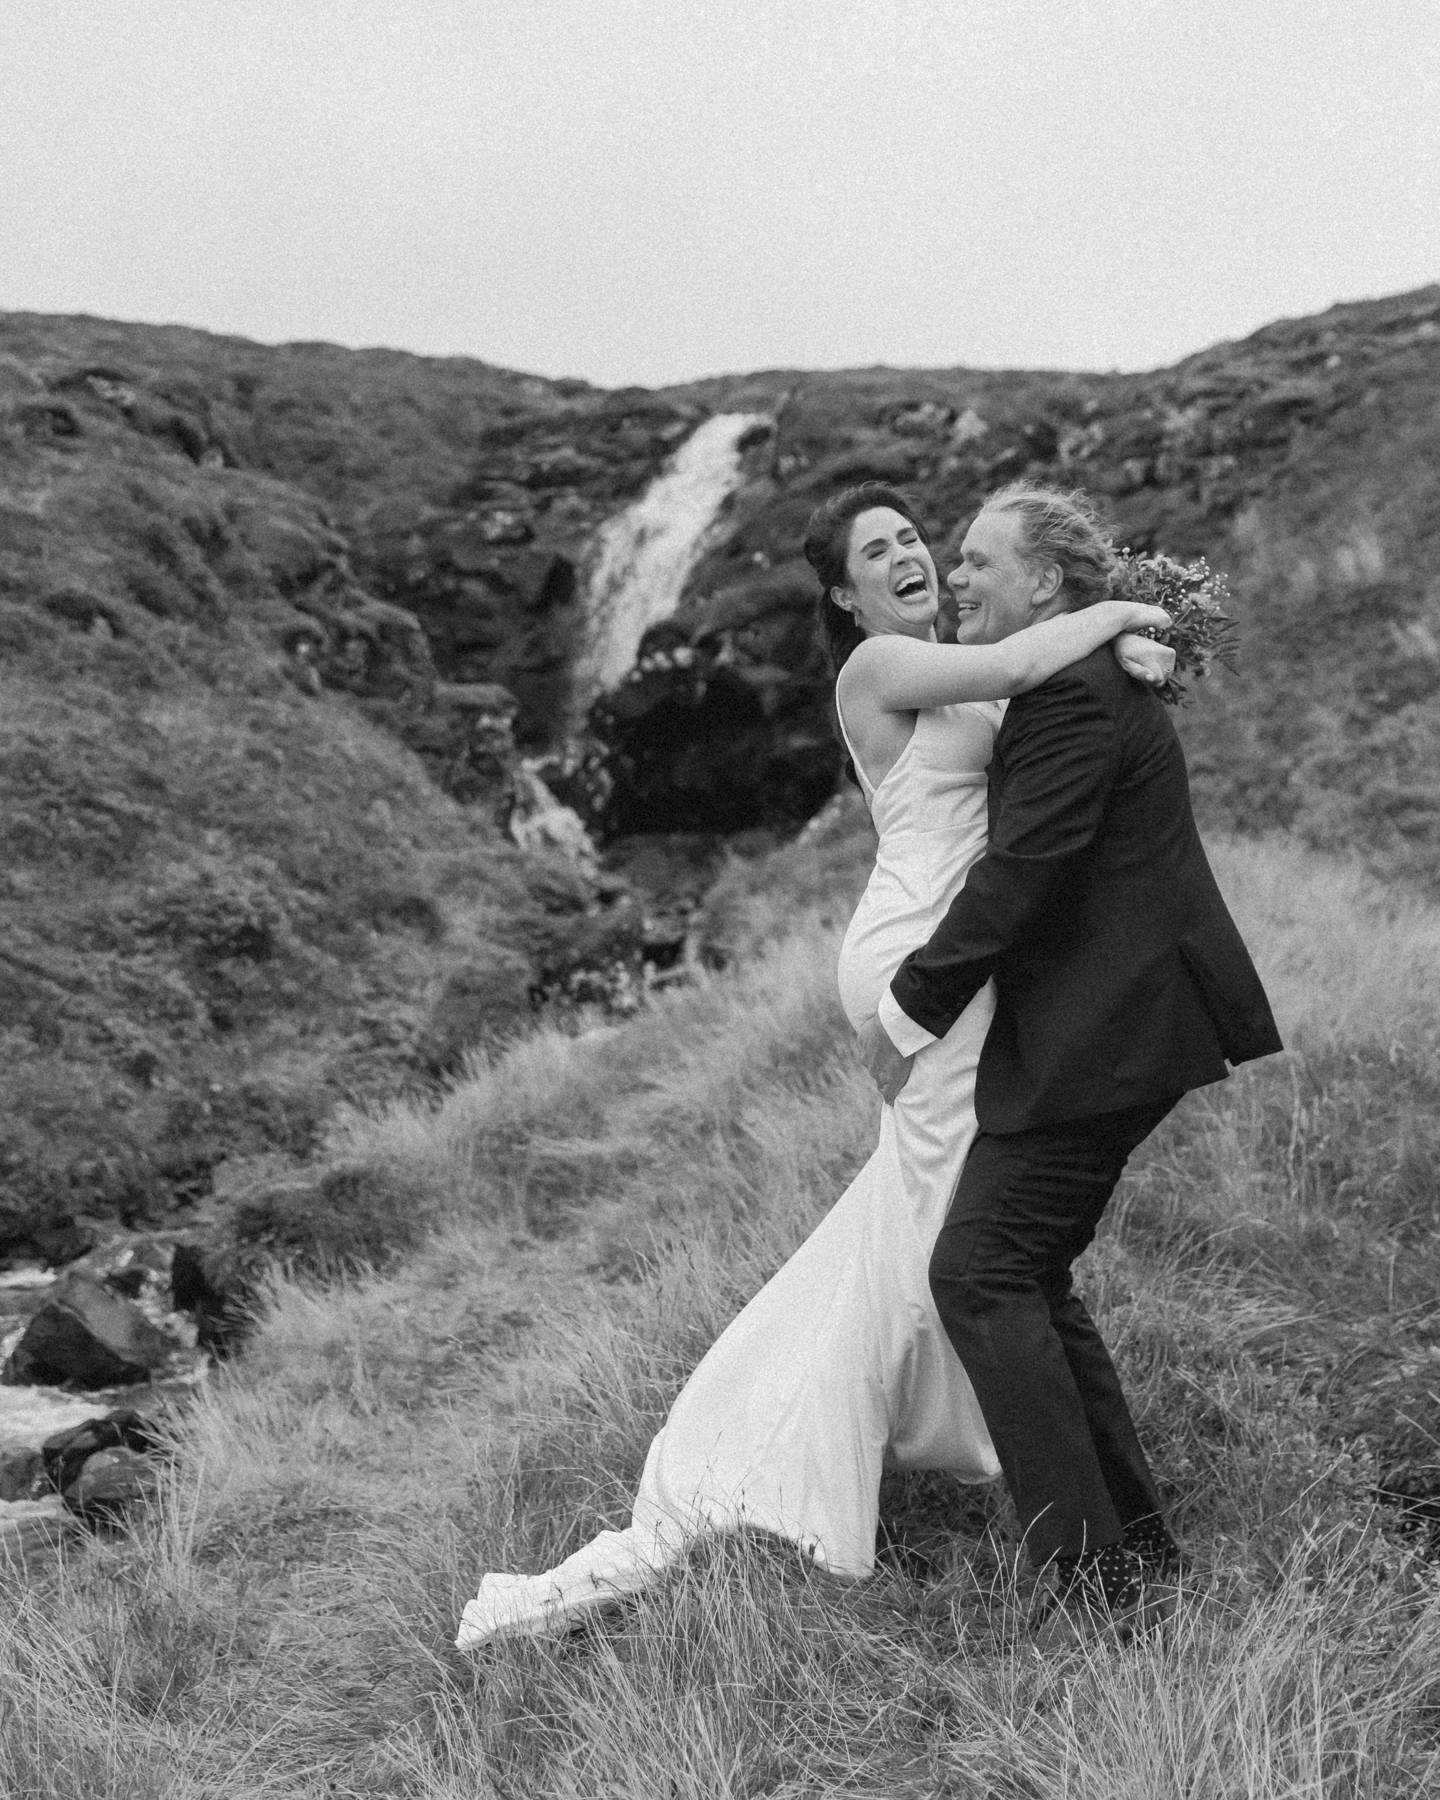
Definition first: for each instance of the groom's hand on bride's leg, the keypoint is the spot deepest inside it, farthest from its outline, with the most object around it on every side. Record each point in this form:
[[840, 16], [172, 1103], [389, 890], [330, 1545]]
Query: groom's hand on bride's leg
[[889, 1070]]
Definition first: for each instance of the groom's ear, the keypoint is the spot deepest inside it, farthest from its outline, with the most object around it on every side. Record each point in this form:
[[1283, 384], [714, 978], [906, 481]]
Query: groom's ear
[[1049, 579]]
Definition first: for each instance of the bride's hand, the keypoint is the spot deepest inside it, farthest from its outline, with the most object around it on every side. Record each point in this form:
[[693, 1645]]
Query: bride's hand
[[1141, 617], [889, 1070], [1143, 659]]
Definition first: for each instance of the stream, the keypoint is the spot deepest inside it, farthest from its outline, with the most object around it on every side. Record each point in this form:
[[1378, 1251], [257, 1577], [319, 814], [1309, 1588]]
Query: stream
[[133, 1270]]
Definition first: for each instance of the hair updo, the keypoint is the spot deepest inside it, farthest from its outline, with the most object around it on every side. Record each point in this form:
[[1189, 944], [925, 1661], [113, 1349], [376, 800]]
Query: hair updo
[[1064, 529], [827, 550]]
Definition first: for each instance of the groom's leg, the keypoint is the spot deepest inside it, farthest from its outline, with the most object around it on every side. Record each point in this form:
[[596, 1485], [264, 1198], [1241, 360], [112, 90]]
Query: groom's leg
[[1026, 1206], [1112, 1431]]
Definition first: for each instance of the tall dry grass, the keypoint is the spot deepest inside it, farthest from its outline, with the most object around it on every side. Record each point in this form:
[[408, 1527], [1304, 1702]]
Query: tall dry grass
[[282, 1624]]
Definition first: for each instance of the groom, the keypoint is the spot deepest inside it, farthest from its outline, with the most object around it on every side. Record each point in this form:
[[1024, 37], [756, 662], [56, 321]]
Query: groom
[[1121, 982]]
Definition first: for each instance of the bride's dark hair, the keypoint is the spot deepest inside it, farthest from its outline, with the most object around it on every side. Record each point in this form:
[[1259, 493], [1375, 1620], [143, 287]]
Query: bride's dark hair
[[827, 550]]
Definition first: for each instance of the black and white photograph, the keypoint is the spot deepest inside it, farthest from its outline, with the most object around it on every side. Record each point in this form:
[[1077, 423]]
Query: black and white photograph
[[719, 900]]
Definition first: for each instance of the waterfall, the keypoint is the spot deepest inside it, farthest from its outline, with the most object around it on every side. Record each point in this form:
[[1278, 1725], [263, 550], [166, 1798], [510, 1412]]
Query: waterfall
[[644, 554]]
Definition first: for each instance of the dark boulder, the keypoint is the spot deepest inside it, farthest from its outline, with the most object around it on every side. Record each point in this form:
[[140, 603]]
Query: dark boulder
[[89, 1336], [209, 1282], [111, 1484], [22, 1472], [64, 1455], [52, 1236], [697, 745]]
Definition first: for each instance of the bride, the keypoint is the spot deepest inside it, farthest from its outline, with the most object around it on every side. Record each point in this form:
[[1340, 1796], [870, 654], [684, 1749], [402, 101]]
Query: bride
[[840, 1365]]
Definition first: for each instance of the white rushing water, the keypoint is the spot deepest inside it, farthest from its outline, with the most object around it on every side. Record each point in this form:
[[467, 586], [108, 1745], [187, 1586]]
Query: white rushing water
[[644, 554]]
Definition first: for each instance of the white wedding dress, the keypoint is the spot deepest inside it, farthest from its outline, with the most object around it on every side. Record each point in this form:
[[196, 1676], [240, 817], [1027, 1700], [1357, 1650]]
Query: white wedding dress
[[839, 1365]]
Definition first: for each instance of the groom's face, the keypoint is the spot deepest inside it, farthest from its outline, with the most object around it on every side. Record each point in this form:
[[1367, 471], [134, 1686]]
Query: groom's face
[[996, 592]]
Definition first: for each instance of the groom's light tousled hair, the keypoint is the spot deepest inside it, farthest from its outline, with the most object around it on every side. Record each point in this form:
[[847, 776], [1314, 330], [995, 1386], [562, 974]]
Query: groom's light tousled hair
[[1066, 530]]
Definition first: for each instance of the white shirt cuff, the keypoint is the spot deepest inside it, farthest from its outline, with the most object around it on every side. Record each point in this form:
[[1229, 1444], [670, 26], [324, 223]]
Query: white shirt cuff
[[901, 1029]]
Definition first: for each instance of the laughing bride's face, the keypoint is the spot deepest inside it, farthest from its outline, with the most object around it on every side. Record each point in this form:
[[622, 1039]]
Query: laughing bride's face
[[890, 580]]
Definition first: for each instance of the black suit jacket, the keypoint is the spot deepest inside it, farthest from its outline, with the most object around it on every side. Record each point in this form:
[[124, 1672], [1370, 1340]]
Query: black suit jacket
[[1119, 973]]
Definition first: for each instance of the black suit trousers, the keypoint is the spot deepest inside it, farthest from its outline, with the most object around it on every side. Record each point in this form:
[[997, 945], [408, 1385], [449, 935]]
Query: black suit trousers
[[1027, 1204]]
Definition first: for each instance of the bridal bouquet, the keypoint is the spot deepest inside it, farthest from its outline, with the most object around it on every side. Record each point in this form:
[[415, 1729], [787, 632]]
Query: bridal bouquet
[[1201, 633]]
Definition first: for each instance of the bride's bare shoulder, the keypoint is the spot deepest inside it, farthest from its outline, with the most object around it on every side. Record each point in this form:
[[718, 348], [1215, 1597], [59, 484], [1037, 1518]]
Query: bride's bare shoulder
[[871, 664], [856, 681]]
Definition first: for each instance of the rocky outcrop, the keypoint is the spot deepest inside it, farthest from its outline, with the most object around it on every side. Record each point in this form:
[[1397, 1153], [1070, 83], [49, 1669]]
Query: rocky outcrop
[[491, 565], [90, 1335], [1298, 460], [696, 741]]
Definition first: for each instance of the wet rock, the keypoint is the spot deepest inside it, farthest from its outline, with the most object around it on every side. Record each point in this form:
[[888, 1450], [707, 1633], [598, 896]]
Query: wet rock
[[968, 428], [663, 941], [111, 1484], [47, 1235], [67, 1453], [702, 746], [22, 1472], [926, 420], [208, 1283], [87, 1335], [577, 775], [539, 822], [139, 1268]]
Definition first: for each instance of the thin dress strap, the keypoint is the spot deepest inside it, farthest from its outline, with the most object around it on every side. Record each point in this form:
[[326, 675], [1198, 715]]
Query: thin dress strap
[[860, 775]]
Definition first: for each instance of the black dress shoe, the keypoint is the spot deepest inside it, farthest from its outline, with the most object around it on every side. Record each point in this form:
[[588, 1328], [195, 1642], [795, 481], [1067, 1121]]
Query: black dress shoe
[[1104, 1588], [1161, 1556], [1109, 1581]]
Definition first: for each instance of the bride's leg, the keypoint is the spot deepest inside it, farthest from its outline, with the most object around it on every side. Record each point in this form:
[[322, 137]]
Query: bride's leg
[[936, 1422]]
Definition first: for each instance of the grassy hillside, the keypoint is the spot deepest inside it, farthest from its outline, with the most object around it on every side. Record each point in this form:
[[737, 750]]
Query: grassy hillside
[[463, 491], [231, 892], [282, 1625]]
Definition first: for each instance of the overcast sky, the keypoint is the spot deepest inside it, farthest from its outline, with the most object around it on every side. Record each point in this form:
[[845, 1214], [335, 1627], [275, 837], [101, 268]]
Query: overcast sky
[[649, 190]]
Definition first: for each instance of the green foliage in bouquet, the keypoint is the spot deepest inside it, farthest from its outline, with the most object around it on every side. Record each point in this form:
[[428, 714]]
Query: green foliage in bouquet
[[1202, 633]]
